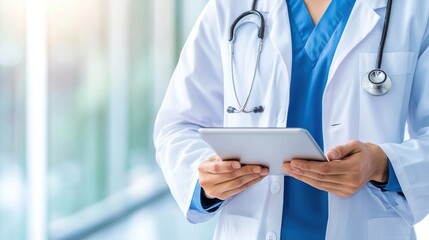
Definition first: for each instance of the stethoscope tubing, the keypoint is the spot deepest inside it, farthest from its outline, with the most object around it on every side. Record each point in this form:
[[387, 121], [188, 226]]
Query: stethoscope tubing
[[232, 37], [243, 107], [261, 27], [384, 35], [377, 82]]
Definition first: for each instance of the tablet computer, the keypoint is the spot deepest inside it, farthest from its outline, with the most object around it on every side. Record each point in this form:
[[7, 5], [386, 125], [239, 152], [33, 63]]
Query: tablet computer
[[269, 147]]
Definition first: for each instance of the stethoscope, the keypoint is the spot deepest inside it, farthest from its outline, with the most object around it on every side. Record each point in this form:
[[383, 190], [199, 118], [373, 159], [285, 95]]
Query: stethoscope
[[232, 37], [376, 82]]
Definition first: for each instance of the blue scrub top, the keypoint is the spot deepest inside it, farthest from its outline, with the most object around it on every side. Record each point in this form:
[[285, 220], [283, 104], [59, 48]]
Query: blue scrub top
[[305, 208]]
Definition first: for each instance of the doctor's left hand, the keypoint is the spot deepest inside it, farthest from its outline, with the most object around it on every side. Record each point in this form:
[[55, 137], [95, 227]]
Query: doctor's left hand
[[349, 168]]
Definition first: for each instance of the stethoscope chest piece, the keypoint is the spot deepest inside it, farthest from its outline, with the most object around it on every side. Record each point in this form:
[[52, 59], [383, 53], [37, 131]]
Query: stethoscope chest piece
[[376, 82]]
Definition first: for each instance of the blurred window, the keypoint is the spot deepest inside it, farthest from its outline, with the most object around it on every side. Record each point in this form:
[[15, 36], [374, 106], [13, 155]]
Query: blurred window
[[78, 105], [12, 119], [109, 63]]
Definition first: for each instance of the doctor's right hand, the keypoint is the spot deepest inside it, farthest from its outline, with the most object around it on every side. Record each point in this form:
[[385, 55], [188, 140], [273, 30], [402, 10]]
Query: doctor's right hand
[[223, 179]]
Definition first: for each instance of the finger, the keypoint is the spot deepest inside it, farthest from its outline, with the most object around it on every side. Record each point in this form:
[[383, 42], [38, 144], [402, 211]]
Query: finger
[[343, 179], [211, 180], [246, 170], [216, 166], [325, 186], [343, 151], [235, 183], [325, 168], [219, 190], [237, 190]]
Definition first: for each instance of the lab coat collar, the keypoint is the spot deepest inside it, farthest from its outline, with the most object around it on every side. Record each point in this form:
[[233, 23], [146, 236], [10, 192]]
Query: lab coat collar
[[279, 30], [362, 21]]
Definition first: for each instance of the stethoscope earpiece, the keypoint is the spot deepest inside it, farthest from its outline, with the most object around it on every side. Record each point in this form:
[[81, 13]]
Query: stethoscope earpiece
[[376, 82], [258, 109], [230, 109]]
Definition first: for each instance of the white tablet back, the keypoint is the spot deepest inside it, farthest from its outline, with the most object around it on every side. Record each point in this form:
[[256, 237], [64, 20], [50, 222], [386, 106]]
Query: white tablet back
[[263, 146]]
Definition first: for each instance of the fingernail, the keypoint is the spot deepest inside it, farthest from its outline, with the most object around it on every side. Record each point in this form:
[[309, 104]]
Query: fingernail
[[256, 170], [236, 165], [264, 173], [294, 164], [334, 154]]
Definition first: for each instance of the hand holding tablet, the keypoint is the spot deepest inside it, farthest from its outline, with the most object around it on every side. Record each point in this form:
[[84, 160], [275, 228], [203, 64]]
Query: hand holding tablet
[[268, 147]]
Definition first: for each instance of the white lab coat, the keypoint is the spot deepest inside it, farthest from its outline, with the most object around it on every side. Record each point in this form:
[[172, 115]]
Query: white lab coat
[[201, 89]]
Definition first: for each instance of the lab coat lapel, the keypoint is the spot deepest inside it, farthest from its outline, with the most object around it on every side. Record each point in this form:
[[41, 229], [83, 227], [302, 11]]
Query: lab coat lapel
[[362, 21], [279, 29]]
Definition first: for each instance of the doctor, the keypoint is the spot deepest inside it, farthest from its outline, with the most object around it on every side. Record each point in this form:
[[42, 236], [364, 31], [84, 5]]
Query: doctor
[[342, 69]]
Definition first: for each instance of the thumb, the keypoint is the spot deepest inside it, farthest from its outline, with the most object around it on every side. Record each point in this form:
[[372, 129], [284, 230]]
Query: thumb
[[341, 151]]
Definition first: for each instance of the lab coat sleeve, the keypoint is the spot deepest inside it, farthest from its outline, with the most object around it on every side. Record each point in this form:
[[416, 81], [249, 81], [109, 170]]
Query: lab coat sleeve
[[194, 99], [410, 159]]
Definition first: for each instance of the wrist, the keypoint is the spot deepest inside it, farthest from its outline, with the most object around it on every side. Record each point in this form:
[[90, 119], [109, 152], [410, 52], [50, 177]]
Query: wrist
[[381, 173]]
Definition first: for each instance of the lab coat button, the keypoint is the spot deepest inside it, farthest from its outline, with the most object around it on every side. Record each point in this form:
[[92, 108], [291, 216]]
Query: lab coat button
[[275, 187], [271, 236]]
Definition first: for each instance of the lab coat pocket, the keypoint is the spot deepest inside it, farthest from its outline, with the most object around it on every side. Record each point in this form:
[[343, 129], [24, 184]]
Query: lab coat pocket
[[389, 109], [389, 229], [235, 227]]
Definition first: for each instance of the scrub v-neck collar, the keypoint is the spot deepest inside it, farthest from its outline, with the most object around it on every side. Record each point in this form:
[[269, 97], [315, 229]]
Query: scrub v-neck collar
[[315, 37]]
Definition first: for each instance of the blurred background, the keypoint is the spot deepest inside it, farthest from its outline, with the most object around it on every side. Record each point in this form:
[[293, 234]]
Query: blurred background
[[80, 85]]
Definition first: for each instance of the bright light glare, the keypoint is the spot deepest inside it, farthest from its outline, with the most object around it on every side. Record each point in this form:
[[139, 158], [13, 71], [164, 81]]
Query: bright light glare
[[11, 192], [422, 229], [61, 2], [10, 54]]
